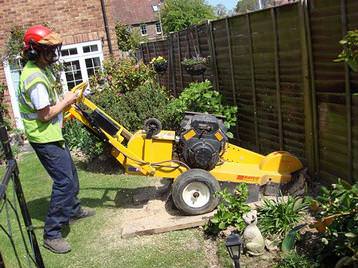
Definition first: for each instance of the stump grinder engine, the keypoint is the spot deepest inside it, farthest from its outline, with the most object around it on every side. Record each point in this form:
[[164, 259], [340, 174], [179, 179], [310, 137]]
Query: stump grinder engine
[[202, 140], [196, 158]]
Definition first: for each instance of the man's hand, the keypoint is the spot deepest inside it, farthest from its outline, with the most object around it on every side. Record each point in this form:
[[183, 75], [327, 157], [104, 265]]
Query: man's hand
[[70, 98]]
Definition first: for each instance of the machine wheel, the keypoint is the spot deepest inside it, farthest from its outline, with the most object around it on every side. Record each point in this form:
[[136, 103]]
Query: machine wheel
[[152, 126], [193, 192]]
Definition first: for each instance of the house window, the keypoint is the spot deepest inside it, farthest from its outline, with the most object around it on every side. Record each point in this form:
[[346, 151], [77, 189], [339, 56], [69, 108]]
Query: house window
[[158, 27], [143, 29], [80, 61]]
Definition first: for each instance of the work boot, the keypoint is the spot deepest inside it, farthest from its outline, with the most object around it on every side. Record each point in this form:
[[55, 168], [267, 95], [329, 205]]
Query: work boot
[[83, 213], [57, 245]]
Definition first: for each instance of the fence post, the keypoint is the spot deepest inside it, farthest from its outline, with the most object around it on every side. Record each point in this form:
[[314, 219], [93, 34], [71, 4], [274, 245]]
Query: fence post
[[253, 83], [348, 97], [172, 64], [277, 76], [148, 53], [188, 46], [142, 52], [228, 34], [309, 91], [155, 48], [199, 48], [181, 67], [211, 44]]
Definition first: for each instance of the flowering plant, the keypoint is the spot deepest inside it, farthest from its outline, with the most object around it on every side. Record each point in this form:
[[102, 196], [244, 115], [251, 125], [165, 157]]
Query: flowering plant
[[194, 61], [159, 64], [158, 60]]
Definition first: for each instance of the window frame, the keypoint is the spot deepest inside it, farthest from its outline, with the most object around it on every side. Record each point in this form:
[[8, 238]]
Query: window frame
[[141, 30], [156, 27], [81, 57]]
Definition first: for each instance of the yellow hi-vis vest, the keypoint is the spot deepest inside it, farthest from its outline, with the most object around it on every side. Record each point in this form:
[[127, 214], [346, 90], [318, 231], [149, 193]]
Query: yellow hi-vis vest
[[36, 130]]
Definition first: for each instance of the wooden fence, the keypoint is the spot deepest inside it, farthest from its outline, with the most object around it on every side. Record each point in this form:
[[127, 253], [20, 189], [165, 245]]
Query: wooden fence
[[276, 65]]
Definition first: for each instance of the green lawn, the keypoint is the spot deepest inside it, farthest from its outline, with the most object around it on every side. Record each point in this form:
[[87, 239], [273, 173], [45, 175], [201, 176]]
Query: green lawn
[[96, 242]]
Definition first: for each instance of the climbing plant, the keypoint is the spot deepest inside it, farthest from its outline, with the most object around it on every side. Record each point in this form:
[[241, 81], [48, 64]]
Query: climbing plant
[[14, 44]]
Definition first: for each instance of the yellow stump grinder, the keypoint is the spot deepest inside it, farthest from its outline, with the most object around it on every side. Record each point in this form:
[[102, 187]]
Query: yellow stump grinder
[[204, 156]]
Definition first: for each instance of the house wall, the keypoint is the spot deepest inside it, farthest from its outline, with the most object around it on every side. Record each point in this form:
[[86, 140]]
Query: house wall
[[76, 21], [151, 30]]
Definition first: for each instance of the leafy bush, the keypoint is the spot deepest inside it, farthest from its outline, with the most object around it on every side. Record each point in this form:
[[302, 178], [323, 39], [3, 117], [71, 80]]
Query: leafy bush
[[200, 97], [122, 75], [349, 53], [179, 14], [336, 209], [230, 210], [79, 138], [294, 260], [3, 107], [277, 217], [14, 43], [127, 39], [133, 107]]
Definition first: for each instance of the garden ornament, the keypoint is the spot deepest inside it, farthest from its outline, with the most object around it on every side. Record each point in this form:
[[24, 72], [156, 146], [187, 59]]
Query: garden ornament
[[254, 243]]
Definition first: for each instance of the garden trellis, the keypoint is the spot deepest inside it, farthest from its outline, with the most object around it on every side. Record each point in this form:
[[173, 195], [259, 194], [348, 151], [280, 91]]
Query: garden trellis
[[12, 200]]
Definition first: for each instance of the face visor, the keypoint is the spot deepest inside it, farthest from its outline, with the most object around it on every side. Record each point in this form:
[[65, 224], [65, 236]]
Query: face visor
[[51, 47], [51, 53]]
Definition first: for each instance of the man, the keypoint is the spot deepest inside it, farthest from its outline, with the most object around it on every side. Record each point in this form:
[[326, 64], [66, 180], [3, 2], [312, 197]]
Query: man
[[41, 108]]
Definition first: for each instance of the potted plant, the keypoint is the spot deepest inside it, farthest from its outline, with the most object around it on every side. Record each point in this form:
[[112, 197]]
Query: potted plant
[[160, 64], [349, 53], [195, 65]]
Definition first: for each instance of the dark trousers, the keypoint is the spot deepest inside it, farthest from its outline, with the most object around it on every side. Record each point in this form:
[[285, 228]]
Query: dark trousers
[[57, 160]]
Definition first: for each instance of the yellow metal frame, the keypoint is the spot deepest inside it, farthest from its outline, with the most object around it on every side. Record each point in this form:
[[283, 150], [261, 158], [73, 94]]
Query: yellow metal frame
[[153, 156]]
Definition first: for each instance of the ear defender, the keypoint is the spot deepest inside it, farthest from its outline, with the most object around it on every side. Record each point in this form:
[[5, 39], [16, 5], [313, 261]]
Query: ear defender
[[32, 54]]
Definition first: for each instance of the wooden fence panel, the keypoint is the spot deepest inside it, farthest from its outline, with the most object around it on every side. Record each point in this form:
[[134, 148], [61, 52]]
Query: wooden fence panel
[[290, 80], [221, 50], [276, 65], [241, 57], [333, 90]]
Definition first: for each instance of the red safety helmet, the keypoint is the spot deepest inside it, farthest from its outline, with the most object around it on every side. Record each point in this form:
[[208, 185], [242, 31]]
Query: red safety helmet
[[40, 39], [41, 35]]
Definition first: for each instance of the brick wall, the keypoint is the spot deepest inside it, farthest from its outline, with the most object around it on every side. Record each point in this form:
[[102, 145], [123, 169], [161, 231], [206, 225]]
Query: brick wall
[[77, 21], [151, 31]]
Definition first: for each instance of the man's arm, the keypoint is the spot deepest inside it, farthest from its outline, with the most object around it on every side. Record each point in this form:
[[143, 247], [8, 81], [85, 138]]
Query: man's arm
[[47, 113]]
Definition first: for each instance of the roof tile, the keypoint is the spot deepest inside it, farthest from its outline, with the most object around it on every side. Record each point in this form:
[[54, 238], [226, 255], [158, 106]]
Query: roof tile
[[131, 12]]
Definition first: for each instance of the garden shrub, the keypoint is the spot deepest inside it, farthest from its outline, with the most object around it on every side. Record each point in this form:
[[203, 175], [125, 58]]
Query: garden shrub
[[294, 260], [79, 138], [128, 39], [349, 53], [110, 90], [277, 217], [133, 107], [200, 97], [336, 209], [3, 111], [122, 75], [230, 210]]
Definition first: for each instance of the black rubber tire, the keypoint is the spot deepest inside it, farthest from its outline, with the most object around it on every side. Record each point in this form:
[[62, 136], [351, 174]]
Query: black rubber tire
[[190, 176], [152, 124]]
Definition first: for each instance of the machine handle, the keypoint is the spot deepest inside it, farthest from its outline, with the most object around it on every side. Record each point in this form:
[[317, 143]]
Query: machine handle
[[80, 88]]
